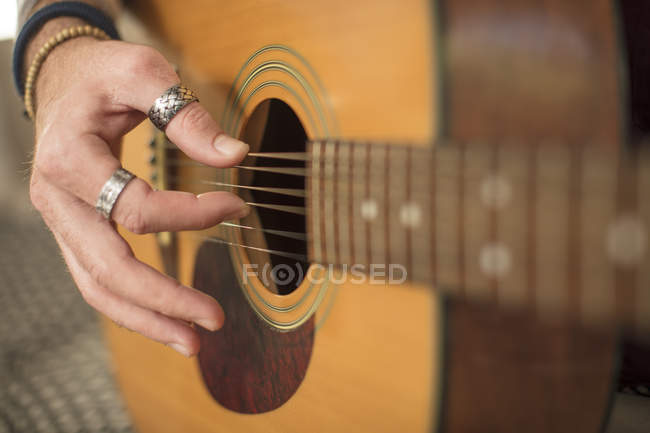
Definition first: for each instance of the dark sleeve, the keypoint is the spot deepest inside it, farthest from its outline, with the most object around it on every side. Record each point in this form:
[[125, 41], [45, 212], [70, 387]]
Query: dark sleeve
[[26, 8]]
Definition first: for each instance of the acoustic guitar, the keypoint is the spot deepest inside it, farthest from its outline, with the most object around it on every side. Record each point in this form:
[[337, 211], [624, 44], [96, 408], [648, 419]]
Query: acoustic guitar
[[450, 228]]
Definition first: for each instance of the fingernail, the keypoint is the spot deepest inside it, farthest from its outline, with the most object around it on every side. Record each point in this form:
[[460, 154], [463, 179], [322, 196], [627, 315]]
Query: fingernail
[[180, 349], [210, 325], [239, 213], [229, 146]]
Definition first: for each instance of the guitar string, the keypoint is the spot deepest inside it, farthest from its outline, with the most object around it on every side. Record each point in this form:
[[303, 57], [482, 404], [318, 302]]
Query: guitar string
[[283, 233], [289, 255], [297, 210], [293, 171], [288, 234], [282, 253], [293, 192], [305, 172], [477, 179], [295, 235], [298, 171], [295, 156], [638, 146], [300, 257], [393, 188], [633, 151], [290, 156]]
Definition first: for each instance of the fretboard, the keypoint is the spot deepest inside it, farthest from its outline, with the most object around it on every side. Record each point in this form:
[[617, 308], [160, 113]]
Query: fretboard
[[559, 230]]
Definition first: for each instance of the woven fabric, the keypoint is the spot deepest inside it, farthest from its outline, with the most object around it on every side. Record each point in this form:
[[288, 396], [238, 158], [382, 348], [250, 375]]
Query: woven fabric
[[54, 367]]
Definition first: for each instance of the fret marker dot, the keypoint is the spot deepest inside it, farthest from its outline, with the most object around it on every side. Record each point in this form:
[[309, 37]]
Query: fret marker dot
[[410, 215], [369, 210], [495, 260], [495, 191], [626, 241]]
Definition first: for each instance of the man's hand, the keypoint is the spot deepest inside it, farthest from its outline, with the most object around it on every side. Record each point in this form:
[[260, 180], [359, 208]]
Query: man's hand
[[89, 94]]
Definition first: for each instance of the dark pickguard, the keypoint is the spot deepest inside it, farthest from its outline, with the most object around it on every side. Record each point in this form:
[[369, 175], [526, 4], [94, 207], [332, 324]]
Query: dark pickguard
[[247, 366]]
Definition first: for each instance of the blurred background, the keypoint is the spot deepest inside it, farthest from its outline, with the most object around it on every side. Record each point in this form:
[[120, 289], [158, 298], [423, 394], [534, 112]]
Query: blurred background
[[55, 373]]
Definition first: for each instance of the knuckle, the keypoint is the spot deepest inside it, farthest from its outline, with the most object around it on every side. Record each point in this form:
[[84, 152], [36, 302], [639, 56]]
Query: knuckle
[[135, 222], [145, 60], [104, 270], [134, 218], [100, 272], [141, 56], [51, 159]]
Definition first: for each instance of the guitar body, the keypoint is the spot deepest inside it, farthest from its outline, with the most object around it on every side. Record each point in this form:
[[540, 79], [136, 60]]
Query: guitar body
[[341, 356]]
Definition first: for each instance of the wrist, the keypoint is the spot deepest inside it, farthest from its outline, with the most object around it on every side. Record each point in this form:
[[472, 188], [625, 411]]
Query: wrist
[[63, 66], [55, 10], [49, 29]]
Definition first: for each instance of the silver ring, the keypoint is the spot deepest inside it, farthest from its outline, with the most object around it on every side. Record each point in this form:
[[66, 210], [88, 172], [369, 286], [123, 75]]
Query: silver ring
[[169, 103], [111, 191]]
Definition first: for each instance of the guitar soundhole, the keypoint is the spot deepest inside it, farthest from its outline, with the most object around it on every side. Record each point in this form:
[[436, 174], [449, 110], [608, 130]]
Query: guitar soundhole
[[249, 366], [274, 127]]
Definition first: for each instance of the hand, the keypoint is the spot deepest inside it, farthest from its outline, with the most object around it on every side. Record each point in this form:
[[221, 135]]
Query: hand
[[89, 94]]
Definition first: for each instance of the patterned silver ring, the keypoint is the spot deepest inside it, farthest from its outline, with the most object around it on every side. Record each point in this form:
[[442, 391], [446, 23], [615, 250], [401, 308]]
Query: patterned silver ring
[[169, 103], [111, 191]]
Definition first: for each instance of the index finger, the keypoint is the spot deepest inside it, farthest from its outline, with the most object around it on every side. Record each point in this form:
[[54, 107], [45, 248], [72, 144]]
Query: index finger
[[192, 129]]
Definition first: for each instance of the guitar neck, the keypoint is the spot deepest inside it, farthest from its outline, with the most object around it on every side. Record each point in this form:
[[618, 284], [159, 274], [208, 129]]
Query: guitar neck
[[559, 230]]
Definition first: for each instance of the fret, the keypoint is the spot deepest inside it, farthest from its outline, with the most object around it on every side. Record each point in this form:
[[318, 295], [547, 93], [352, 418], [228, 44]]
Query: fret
[[328, 206], [344, 178], [373, 207], [482, 254], [598, 206], [421, 196], [313, 210], [360, 177], [552, 230], [411, 212], [388, 184], [643, 276], [574, 286], [446, 225], [461, 217], [509, 197], [627, 215], [400, 209], [351, 203], [531, 227]]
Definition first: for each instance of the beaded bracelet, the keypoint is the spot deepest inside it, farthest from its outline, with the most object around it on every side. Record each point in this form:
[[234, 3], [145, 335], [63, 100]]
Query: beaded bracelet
[[46, 49]]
